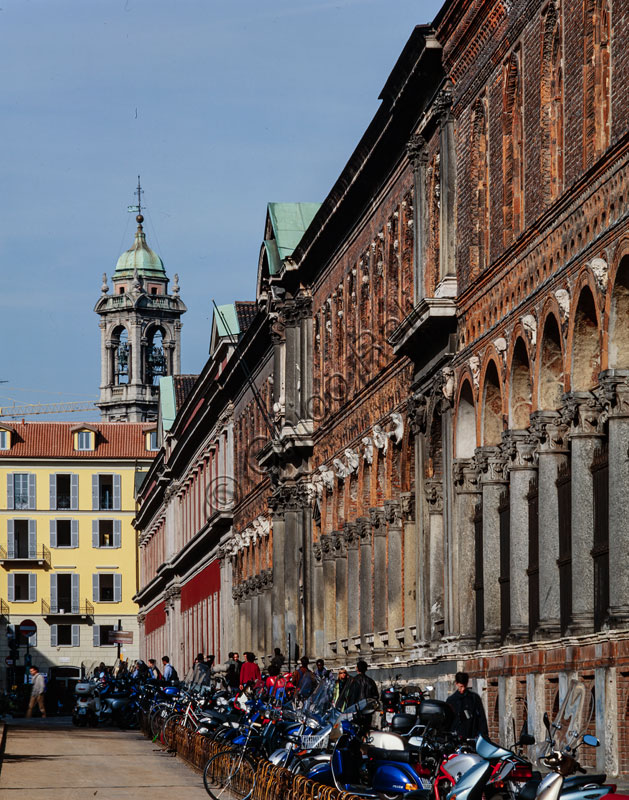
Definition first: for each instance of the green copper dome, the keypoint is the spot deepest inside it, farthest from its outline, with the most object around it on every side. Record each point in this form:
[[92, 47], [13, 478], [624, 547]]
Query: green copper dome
[[140, 257]]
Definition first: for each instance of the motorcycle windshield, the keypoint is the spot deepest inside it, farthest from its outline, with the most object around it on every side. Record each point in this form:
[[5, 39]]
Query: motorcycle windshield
[[569, 722], [321, 699]]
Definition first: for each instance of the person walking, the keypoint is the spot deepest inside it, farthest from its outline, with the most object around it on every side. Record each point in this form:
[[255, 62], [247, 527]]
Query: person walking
[[154, 672], [470, 719], [341, 689], [278, 659], [201, 671], [250, 671], [37, 692], [304, 679], [169, 673], [320, 672], [233, 672], [363, 687]]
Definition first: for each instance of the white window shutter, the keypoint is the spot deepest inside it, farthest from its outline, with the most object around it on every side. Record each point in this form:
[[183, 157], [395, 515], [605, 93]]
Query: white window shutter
[[96, 635], [74, 533], [53, 635], [117, 505], [10, 538], [53, 532], [76, 635], [75, 593], [32, 490], [10, 490], [95, 537], [32, 587], [94, 492], [54, 608], [117, 533], [117, 587], [74, 492], [53, 491], [32, 538], [11, 587], [95, 596]]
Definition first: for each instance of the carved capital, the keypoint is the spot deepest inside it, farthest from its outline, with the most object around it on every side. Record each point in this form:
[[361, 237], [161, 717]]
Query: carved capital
[[317, 551], [417, 151], [376, 519], [433, 491], [465, 476], [407, 499], [293, 310], [290, 497], [350, 534], [584, 413], [614, 393], [520, 448], [492, 464], [338, 544], [393, 512], [364, 530], [443, 105], [416, 411], [327, 547], [267, 579], [549, 430]]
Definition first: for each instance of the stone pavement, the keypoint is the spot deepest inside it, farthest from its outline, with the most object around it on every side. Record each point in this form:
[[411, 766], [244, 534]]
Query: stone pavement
[[52, 759]]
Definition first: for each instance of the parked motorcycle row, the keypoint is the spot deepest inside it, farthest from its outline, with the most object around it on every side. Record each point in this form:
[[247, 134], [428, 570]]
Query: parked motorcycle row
[[413, 755]]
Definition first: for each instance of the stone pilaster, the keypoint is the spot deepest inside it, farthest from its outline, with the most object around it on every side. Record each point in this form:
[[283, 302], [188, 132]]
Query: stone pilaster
[[352, 540], [583, 411], [318, 633], [340, 554], [615, 397], [379, 531], [467, 494], [418, 157], [551, 432], [409, 597], [329, 593], [366, 578], [492, 463], [520, 448], [393, 517], [433, 493]]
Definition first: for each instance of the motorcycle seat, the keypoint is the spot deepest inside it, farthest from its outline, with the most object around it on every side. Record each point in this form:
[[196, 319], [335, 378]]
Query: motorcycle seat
[[584, 780], [401, 756], [529, 790]]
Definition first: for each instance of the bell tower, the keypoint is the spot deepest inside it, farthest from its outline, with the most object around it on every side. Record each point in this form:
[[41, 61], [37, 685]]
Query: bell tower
[[140, 331]]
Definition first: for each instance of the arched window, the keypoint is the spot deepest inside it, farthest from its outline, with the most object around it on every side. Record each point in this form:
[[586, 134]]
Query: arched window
[[512, 149], [551, 107], [520, 399], [156, 365], [479, 178], [596, 79], [122, 359]]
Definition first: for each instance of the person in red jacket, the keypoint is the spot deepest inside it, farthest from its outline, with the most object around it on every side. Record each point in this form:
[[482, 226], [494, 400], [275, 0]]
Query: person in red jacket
[[250, 671]]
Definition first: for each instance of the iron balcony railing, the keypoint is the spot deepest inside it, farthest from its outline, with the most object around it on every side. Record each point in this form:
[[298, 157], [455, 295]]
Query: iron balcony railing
[[40, 554], [4, 609], [85, 609]]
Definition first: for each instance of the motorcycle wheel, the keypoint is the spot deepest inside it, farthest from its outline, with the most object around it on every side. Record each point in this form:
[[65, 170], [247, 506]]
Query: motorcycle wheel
[[231, 773]]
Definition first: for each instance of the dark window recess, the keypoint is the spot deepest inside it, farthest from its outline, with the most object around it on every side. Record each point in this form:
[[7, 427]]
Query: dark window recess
[[106, 533], [106, 588], [20, 533], [106, 492], [64, 634], [63, 491], [21, 587], [104, 633], [20, 490], [64, 593], [64, 533]]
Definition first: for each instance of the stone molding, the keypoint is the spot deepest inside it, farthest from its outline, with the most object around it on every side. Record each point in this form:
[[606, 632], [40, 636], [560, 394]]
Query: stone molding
[[350, 533], [550, 431], [407, 500], [614, 393], [491, 462], [364, 530], [376, 518], [520, 447], [393, 513], [466, 476], [416, 412], [417, 151], [584, 413], [433, 490]]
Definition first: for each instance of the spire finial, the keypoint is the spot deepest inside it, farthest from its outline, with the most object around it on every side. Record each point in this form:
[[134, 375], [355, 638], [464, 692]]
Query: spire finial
[[138, 208]]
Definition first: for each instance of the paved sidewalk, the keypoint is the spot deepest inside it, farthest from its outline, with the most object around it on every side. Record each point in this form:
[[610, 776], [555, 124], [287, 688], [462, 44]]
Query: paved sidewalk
[[52, 759]]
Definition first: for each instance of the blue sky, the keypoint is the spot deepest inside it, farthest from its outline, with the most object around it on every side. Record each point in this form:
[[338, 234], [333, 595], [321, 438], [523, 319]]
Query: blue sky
[[220, 106]]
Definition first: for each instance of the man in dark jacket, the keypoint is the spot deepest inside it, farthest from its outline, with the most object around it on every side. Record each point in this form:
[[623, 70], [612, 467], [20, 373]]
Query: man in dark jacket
[[470, 719], [362, 686]]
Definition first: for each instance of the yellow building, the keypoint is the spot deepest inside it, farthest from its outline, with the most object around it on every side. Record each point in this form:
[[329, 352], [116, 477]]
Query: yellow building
[[68, 551]]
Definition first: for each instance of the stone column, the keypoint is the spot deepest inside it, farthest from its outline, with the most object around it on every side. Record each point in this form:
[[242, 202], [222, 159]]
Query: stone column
[[352, 541], [583, 411], [447, 241], [135, 346], [418, 157], [267, 605], [493, 467], [520, 447], [320, 642], [329, 593], [551, 433], [409, 595], [616, 397], [393, 517], [366, 579], [379, 531], [467, 494], [277, 592], [433, 492], [340, 553]]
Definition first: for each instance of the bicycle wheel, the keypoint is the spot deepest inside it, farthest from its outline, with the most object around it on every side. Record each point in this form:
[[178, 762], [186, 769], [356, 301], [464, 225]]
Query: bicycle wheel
[[230, 775], [157, 719], [171, 723]]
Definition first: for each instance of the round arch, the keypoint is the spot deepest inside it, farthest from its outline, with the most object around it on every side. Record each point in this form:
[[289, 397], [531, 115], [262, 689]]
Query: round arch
[[492, 419], [465, 425], [618, 330], [551, 383], [586, 349], [520, 391]]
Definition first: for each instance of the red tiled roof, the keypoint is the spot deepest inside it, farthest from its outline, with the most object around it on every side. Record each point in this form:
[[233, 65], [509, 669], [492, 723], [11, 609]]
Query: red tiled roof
[[183, 386], [245, 311], [55, 440]]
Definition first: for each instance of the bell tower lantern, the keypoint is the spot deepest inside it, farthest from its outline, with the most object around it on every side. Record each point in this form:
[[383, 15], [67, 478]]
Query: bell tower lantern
[[140, 331]]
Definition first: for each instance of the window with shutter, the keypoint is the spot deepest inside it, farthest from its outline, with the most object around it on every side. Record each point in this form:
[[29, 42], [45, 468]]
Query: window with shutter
[[117, 588], [76, 635], [32, 538], [32, 491], [95, 588], [117, 533], [53, 635], [95, 527], [96, 635], [11, 587], [53, 532], [117, 497], [11, 538], [75, 593], [53, 492], [74, 533], [32, 587], [54, 602], [74, 492], [10, 490], [95, 480]]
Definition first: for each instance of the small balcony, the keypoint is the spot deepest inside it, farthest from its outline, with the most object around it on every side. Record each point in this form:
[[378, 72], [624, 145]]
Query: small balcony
[[36, 556], [4, 609], [85, 610]]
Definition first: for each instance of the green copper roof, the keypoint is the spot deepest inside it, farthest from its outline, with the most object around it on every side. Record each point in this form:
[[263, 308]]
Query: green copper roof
[[289, 221], [227, 320], [140, 257], [167, 401]]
